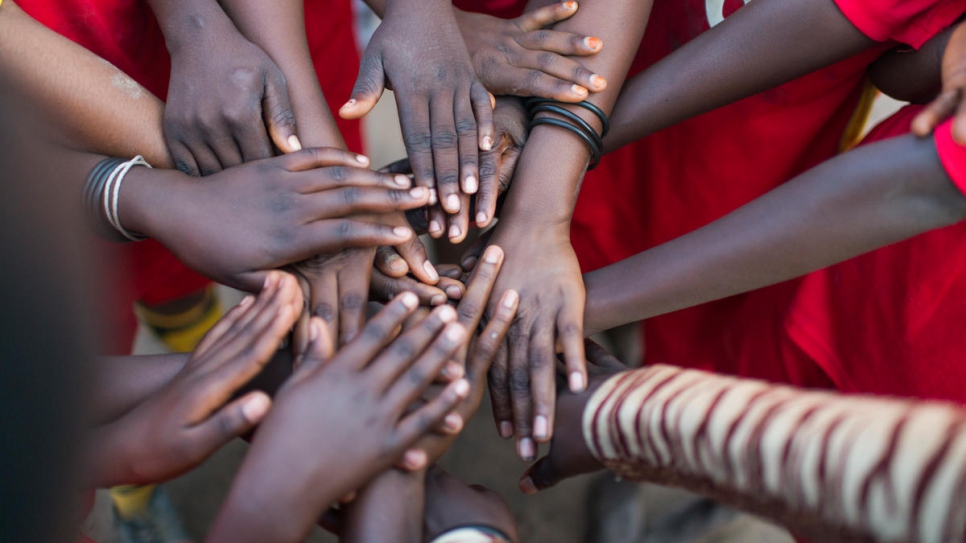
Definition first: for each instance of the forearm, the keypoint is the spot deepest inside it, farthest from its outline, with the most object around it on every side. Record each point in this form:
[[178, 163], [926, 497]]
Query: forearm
[[92, 105], [126, 381], [388, 510], [909, 75], [762, 45], [852, 204], [548, 176], [279, 29], [833, 467]]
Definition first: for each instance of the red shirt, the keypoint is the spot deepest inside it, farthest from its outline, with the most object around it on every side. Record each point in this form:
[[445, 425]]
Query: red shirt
[[911, 22]]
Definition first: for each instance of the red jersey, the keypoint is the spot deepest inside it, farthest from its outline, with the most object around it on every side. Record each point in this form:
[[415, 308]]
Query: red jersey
[[125, 33]]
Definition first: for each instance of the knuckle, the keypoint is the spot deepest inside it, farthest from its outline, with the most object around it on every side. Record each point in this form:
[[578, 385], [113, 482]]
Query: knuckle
[[325, 311], [547, 60], [448, 178], [416, 376], [352, 301], [345, 230], [350, 195], [444, 139], [420, 139], [337, 173], [404, 349], [541, 37], [519, 382], [466, 126], [283, 117]]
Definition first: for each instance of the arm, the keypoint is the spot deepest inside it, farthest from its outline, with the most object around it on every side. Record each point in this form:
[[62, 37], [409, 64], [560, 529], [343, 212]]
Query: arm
[[387, 510], [912, 75], [862, 200], [127, 380], [762, 45], [534, 232]]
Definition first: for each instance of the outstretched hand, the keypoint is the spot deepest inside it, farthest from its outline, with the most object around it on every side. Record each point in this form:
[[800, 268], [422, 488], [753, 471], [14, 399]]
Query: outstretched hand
[[952, 101], [179, 426], [445, 112]]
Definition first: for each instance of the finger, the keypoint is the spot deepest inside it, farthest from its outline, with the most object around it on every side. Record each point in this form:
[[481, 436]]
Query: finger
[[333, 177], [540, 476], [324, 288], [528, 82], [400, 166], [414, 119], [545, 16], [472, 255], [469, 146], [267, 299], [417, 261], [412, 379], [483, 104], [334, 235], [353, 297], [600, 356], [322, 157], [183, 160], [382, 287], [389, 263], [341, 202], [561, 68], [458, 226], [223, 145], [454, 288], [279, 117], [231, 421], [452, 271], [368, 88], [409, 346], [437, 221], [253, 141], [542, 359], [561, 43], [521, 401], [445, 146], [378, 332], [206, 159], [936, 112], [221, 327], [479, 288], [499, 384], [489, 187], [959, 122], [488, 344], [321, 347], [570, 334], [423, 420]]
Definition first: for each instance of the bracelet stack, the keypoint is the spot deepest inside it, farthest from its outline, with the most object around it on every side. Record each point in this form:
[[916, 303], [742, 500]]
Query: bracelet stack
[[100, 198], [572, 122]]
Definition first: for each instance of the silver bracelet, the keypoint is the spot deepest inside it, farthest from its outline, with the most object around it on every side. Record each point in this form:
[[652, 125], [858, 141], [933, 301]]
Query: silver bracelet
[[112, 189]]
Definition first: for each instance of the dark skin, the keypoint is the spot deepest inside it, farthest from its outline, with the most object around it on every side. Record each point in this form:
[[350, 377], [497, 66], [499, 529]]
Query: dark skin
[[228, 102], [535, 228], [179, 425], [360, 395], [950, 102]]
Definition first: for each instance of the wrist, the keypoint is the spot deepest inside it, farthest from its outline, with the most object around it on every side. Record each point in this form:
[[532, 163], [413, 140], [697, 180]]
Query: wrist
[[145, 198], [189, 25]]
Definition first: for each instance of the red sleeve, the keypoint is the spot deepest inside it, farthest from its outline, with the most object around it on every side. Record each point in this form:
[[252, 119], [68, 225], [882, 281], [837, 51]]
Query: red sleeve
[[952, 155], [911, 22]]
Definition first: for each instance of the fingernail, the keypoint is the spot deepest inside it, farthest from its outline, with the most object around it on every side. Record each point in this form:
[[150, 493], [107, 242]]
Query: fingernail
[[402, 181], [487, 143], [576, 382], [456, 333], [402, 231], [396, 263], [417, 193], [350, 103], [469, 263], [435, 227], [492, 255], [430, 269], [246, 300], [480, 218], [471, 184], [294, 143], [462, 388], [570, 5], [592, 43], [452, 203], [437, 299], [454, 232], [453, 292], [269, 281], [540, 427], [362, 159], [506, 430], [254, 409], [598, 82], [453, 370], [447, 314], [527, 486], [525, 449], [433, 197], [578, 90], [314, 330], [510, 299], [453, 422], [414, 459], [409, 300]]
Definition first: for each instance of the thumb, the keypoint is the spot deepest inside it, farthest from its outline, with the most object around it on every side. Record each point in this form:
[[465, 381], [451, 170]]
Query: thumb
[[540, 476], [368, 88], [279, 118]]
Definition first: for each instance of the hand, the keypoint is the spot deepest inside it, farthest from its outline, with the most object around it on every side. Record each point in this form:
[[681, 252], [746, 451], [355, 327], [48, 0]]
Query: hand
[[542, 267], [237, 224], [522, 57], [450, 504], [445, 112], [181, 425], [569, 454], [390, 278], [340, 420], [227, 102], [510, 120], [952, 100]]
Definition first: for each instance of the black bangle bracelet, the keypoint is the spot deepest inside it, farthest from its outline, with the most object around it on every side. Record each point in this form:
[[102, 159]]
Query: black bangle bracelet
[[572, 117], [604, 120], [93, 198], [594, 150]]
